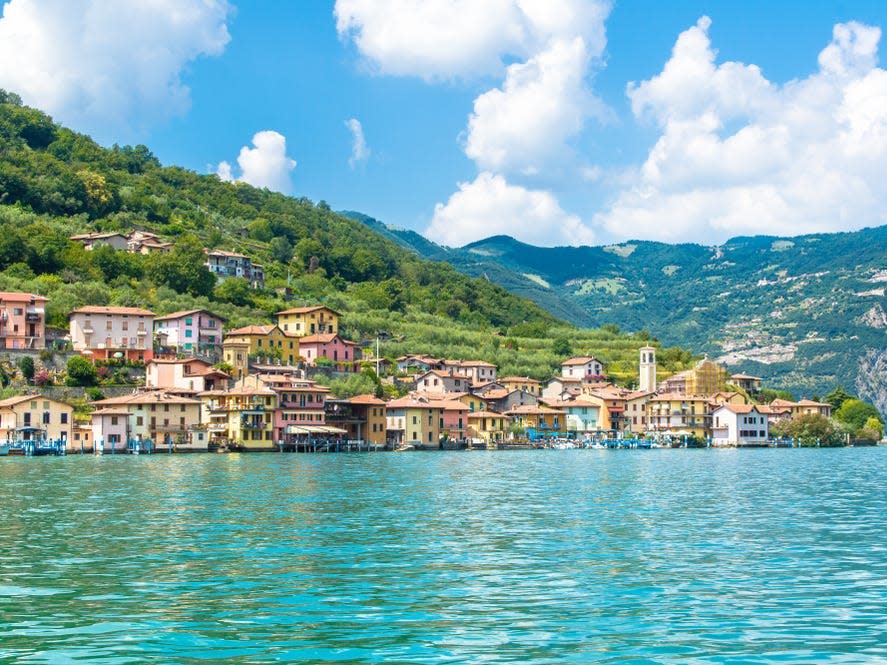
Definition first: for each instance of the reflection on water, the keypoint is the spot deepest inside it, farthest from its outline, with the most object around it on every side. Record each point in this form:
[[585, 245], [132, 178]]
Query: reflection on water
[[539, 556]]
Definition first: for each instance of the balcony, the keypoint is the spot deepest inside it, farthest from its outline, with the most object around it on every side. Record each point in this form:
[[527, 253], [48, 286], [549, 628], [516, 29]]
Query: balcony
[[252, 423], [33, 318], [141, 331]]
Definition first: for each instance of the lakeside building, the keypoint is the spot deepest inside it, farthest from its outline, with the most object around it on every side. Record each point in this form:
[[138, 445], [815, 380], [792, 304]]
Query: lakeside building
[[454, 423], [302, 321], [363, 417], [581, 416], [415, 421], [22, 320], [165, 418], [612, 402], [647, 369], [241, 418], [739, 425], [487, 426], [636, 411], [105, 332], [224, 264], [300, 405], [680, 414], [537, 421], [803, 408], [35, 417], [110, 427], [190, 331], [504, 399]]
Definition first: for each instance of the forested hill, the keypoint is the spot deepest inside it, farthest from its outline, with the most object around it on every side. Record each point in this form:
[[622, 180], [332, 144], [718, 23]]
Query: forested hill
[[55, 183]]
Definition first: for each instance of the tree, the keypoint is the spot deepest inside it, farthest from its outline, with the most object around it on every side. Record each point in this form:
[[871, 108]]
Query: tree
[[872, 431], [26, 365], [182, 269], [837, 397], [855, 412], [281, 249], [235, 290], [561, 347], [811, 429], [81, 372]]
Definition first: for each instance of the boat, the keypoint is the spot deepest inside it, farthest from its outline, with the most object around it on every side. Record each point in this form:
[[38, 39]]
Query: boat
[[4, 449]]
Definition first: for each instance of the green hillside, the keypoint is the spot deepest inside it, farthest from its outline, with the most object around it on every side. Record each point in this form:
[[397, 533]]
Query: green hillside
[[805, 313], [55, 183]]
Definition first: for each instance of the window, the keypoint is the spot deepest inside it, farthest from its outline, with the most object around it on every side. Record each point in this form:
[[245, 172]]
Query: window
[[17, 311], [124, 325], [189, 333], [140, 420], [113, 420], [64, 419], [108, 324], [47, 417], [188, 321]]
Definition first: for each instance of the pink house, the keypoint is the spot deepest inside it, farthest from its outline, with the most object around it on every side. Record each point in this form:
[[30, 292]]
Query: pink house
[[104, 332], [22, 321], [110, 429], [342, 353], [184, 375], [454, 419], [194, 330]]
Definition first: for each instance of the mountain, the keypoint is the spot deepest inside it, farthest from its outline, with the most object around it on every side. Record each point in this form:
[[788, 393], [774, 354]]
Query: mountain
[[806, 313]]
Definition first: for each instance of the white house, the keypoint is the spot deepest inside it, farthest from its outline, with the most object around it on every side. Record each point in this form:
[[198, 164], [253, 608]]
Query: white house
[[582, 367], [739, 425]]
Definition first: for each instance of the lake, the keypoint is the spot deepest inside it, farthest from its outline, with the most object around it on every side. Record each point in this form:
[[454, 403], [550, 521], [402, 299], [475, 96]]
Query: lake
[[548, 556]]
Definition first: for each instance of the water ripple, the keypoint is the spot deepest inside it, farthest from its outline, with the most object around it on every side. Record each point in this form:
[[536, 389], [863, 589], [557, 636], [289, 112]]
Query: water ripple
[[544, 556]]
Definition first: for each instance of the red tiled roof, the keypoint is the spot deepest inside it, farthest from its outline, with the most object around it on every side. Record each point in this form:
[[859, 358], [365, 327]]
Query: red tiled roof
[[306, 310], [96, 309]]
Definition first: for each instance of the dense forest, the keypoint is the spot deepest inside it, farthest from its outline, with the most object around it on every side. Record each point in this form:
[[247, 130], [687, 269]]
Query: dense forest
[[55, 183]]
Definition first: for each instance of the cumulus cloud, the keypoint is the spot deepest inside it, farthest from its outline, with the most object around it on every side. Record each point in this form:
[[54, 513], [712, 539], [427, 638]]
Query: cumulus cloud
[[265, 165], [490, 206], [360, 151], [107, 67], [739, 154]]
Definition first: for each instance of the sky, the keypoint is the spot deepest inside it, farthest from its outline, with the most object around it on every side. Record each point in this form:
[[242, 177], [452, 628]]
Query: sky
[[558, 122]]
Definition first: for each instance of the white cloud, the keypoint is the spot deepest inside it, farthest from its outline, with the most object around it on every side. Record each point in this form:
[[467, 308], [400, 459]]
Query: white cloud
[[490, 206], [360, 151], [107, 67], [265, 165], [739, 154]]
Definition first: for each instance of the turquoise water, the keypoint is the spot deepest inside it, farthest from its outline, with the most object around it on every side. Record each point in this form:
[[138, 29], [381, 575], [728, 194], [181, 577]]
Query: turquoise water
[[539, 556]]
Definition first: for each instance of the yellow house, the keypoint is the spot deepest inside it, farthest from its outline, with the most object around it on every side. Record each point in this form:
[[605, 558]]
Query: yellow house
[[301, 321], [235, 352], [267, 342], [540, 419], [415, 421], [636, 411], [488, 426], [473, 402], [34, 417], [680, 414], [705, 378], [525, 383], [241, 418], [612, 402]]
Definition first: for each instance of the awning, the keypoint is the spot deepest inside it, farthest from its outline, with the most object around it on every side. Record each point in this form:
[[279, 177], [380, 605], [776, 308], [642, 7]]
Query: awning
[[314, 429]]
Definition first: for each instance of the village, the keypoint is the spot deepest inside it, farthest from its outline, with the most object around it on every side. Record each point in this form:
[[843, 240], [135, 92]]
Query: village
[[251, 389]]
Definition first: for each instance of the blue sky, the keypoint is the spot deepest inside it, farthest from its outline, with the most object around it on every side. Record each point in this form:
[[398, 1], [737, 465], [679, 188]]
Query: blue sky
[[558, 122]]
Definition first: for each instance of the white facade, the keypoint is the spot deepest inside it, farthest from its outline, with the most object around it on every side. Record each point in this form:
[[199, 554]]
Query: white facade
[[582, 368], [739, 425], [106, 330]]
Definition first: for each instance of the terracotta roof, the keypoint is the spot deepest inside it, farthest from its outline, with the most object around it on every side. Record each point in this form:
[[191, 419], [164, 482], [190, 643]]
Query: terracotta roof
[[177, 361], [771, 410], [580, 360], [518, 379], [18, 399], [497, 394], [444, 374], [484, 414], [110, 412], [411, 403], [746, 377], [96, 309], [454, 405], [678, 397], [738, 408], [222, 252], [325, 338], [251, 330], [810, 402], [530, 410], [470, 363], [186, 312], [306, 310], [366, 399], [16, 296], [148, 397]]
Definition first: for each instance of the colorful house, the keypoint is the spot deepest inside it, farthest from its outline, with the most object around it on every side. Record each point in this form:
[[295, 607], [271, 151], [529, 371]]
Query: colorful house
[[478, 371], [524, 383], [537, 421], [265, 342], [803, 408], [363, 417], [233, 264], [301, 405], [739, 425], [165, 418], [415, 421], [32, 417], [342, 354], [105, 332], [241, 418], [505, 399], [680, 414], [636, 411], [235, 352], [110, 427], [748, 383], [22, 320], [195, 330], [454, 425], [581, 415], [487, 426], [302, 321], [439, 381]]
